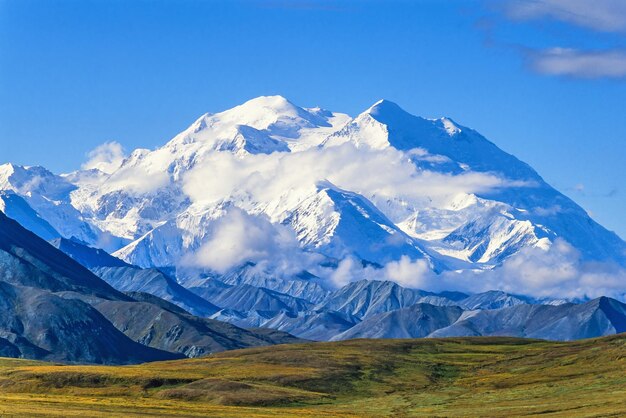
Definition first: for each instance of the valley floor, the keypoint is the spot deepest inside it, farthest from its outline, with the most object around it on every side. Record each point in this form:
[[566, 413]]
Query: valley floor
[[427, 377]]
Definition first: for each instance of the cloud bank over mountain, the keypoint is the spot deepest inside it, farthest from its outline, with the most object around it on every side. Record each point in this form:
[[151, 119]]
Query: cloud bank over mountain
[[266, 175], [283, 191], [239, 238], [555, 273], [106, 157]]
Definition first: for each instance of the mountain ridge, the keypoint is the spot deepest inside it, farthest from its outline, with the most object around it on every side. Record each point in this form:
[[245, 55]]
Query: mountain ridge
[[54, 308]]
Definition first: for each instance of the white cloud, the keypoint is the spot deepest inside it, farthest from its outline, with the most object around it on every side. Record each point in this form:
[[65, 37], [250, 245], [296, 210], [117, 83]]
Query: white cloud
[[409, 273], [549, 211], [109, 158], [347, 271], [558, 272], [138, 179], [601, 15], [285, 176], [238, 237], [578, 63], [415, 274], [598, 15], [106, 157]]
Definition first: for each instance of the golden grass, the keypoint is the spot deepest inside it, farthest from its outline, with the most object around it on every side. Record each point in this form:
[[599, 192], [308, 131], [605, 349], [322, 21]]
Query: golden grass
[[429, 377]]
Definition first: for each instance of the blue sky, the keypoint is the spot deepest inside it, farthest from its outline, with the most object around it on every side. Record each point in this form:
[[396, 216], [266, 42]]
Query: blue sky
[[543, 79]]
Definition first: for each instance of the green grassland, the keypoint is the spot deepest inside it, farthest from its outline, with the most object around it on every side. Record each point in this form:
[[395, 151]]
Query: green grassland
[[427, 377]]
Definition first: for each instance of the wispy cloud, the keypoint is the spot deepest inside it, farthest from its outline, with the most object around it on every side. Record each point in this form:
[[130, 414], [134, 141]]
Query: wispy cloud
[[106, 157], [601, 15], [578, 63]]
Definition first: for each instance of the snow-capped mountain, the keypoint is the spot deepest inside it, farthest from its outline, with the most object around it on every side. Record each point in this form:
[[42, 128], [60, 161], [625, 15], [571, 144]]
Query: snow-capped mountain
[[314, 188], [337, 222], [45, 200]]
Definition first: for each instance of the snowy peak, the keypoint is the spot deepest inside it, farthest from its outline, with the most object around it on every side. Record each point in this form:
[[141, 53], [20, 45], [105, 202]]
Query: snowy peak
[[391, 114], [387, 125], [387, 110], [262, 112], [278, 111], [339, 223], [47, 197], [398, 120], [207, 134], [275, 116], [262, 125], [34, 181], [383, 125], [266, 107], [6, 170]]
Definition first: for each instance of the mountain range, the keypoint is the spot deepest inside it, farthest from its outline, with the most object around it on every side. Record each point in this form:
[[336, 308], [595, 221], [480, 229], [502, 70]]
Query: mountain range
[[448, 194], [270, 216]]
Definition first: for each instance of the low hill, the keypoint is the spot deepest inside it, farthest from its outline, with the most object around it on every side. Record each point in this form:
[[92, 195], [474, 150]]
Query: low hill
[[458, 377]]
